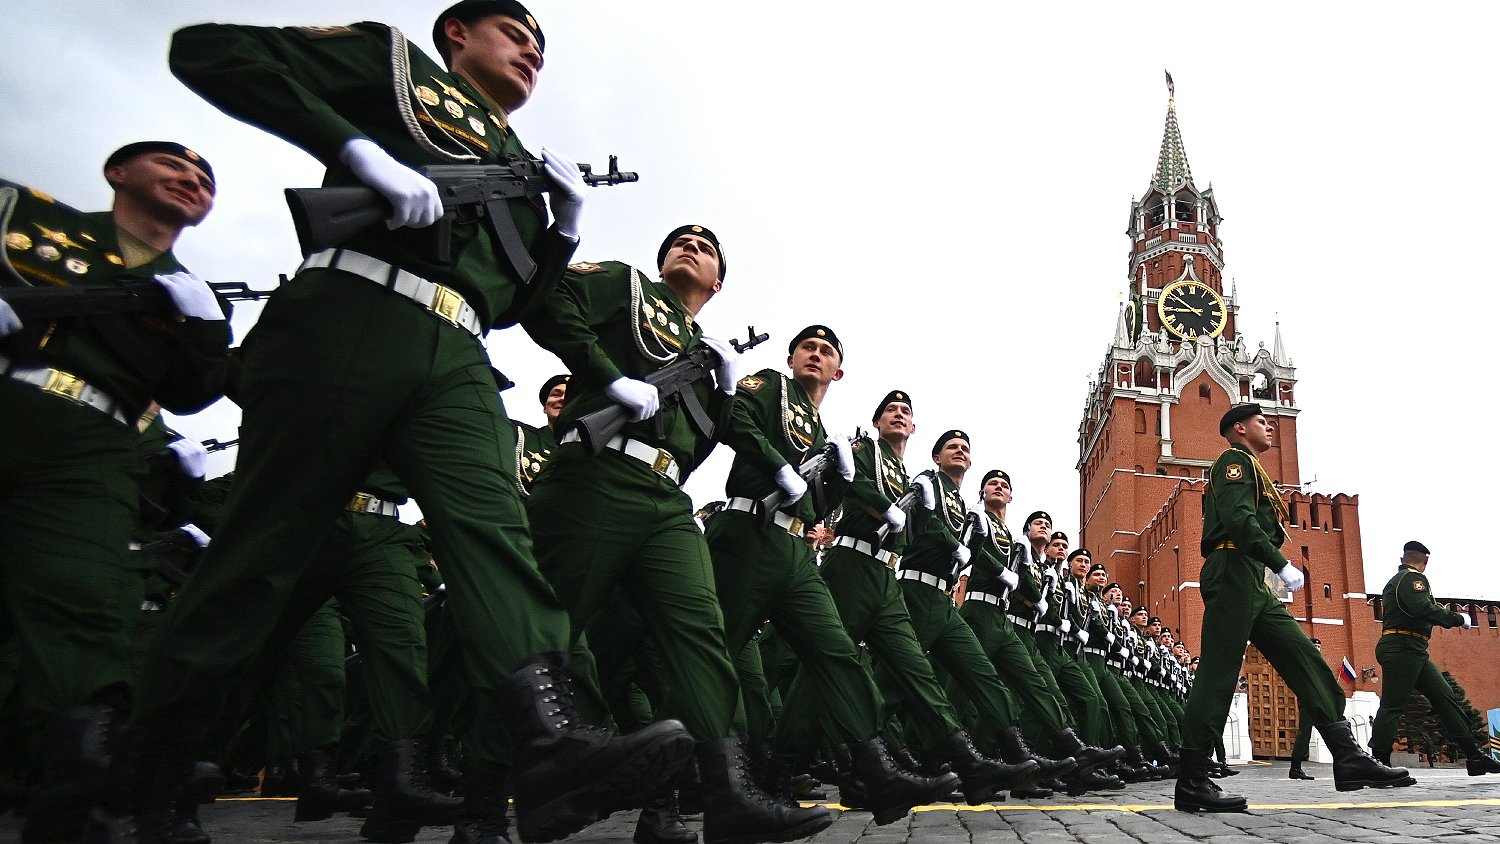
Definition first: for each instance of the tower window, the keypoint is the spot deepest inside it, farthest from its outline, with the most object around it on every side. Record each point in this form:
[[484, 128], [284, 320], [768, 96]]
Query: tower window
[[1492, 618], [1206, 393], [1140, 421], [1328, 590]]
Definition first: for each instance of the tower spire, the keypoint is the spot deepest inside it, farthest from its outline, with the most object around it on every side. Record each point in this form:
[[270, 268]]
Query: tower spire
[[1171, 164], [1278, 349]]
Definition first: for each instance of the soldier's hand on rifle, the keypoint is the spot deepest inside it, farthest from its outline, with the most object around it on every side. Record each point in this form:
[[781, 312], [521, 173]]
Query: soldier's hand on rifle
[[1291, 576], [415, 201], [196, 533], [929, 498], [567, 194], [981, 518], [896, 518], [1067, 626], [192, 296], [791, 483], [961, 555], [1009, 578], [1083, 637], [10, 323], [728, 371], [192, 457], [643, 399], [846, 455]]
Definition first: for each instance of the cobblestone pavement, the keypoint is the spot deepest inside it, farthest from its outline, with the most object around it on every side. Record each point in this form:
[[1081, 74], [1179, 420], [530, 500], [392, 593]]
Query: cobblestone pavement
[[1444, 805]]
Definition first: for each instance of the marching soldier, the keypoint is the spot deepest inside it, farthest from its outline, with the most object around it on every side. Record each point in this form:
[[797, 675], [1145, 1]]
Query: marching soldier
[[1410, 614], [1242, 536], [1097, 645], [535, 446], [374, 350]]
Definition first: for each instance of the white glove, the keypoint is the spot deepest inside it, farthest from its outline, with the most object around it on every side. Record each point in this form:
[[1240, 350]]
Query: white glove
[[1123, 654], [1067, 625], [846, 455], [981, 518], [568, 191], [961, 555], [1083, 637], [414, 199], [10, 323], [896, 518], [196, 533], [1009, 578], [1041, 607], [192, 457], [929, 498], [1468, 622], [1291, 576], [728, 372], [192, 296], [643, 399], [791, 483], [1136, 661], [1109, 638]]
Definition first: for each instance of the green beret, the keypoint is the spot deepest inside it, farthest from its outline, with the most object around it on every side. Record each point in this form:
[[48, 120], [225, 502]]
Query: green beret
[[172, 148], [822, 332], [1238, 413], [471, 10], [943, 439], [996, 473], [700, 231], [1040, 514], [892, 396], [546, 390]]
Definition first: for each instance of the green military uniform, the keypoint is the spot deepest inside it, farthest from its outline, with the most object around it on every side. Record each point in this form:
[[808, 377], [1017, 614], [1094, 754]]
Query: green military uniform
[[340, 368], [534, 447], [610, 520], [1094, 653], [1242, 537], [1148, 680], [869, 598], [1410, 614], [1118, 659], [73, 390], [1041, 717], [1074, 681], [926, 575], [768, 572]]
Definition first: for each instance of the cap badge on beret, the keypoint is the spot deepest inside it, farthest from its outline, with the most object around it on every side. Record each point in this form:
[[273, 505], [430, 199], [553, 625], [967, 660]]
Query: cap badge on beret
[[698, 229]]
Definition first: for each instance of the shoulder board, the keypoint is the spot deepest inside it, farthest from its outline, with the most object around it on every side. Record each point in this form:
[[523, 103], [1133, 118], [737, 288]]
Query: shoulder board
[[752, 382], [326, 31], [585, 268]]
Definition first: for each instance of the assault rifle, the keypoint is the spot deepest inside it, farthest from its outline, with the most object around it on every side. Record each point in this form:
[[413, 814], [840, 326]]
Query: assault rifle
[[130, 297], [162, 549], [326, 217], [166, 458], [675, 384], [906, 503], [819, 471]]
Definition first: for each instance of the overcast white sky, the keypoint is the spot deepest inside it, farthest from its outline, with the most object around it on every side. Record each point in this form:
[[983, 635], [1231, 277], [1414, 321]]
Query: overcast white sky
[[947, 186]]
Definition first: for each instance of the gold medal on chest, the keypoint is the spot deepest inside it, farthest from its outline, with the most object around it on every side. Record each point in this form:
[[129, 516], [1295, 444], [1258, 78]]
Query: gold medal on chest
[[453, 108], [76, 266], [16, 240], [427, 95], [477, 125]]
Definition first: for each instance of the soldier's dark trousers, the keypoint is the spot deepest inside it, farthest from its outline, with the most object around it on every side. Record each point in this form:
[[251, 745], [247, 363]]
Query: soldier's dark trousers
[[768, 574], [1119, 711], [609, 521], [305, 705], [1407, 668], [1147, 719], [1303, 743], [337, 372], [1083, 696], [1040, 713], [1242, 608]]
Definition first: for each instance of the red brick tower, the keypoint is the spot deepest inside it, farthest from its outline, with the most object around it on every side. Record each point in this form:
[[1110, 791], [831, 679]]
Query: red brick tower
[[1150, 428]]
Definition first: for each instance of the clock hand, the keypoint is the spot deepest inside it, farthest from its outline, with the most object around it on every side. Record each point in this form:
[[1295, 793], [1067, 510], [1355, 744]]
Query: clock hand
[[1184, 303]]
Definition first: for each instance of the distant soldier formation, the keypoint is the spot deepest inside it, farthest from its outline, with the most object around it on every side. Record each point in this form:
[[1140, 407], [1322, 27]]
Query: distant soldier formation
[[563, 636]]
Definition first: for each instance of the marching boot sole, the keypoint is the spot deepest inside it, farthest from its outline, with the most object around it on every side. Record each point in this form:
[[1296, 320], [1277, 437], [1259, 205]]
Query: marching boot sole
[[1191, 806], [1356, 785], [942, 788], [808, 828], [399, 831], [630, 782]]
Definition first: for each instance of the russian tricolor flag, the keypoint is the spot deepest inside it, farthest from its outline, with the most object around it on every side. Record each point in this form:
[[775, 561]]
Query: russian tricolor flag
[[1348, 671]]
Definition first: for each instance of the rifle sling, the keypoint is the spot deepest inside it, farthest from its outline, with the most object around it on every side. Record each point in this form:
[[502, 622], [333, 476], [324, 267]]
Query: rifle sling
[[503, 226]]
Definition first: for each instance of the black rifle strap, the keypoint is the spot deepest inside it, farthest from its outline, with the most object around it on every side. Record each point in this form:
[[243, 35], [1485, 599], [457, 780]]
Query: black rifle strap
[[504, 228]]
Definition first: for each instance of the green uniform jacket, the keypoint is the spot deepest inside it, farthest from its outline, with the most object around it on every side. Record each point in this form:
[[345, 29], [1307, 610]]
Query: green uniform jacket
[[993, 555], [635, 326], [1236, 510], [1028, 592], [1409, 605], [879, 479], [534, 447], [932, 535], [321, 87], [772, 423]]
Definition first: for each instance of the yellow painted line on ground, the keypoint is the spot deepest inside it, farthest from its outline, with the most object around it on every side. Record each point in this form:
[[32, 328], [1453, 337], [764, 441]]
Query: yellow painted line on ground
[[248, 799], [1148, 807]]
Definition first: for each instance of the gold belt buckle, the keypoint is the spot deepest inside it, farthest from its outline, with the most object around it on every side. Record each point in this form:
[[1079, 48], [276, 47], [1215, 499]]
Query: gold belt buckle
[[65, 385], [894, 561], [360, 501], [795, 528], [447, 303], [662, 462]]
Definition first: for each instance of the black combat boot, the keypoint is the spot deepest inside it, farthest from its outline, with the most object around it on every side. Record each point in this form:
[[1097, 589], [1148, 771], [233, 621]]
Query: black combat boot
[[1196, 792], [566, 770], [1094, 779], [482, 819], [186, 827], [1165, 758], [319, 794], [689, 789], [736, 812], [1354, 769], [1133, 767], [1382, 756], [75, 756], [983, 778], [1014, 749], [759, 755], [1226, 771], [404, 801], [152, 768], [660, 822], [445, 775], [851, 790], [1087, 757], [205, 781], [1296, 772], [890, 791], [1476, 759], [1036, 792]]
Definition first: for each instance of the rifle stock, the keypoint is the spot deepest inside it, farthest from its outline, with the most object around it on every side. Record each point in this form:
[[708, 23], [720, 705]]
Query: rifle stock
[[129, 297]]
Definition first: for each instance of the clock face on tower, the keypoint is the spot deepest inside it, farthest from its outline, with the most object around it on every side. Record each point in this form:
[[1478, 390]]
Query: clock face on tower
[[1191, 309]]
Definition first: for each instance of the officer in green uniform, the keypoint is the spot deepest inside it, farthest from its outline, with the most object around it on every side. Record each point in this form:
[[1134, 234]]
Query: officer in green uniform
[[766, 571], [1410, 614], [619, 518], [374, 350], [535, 446], [1242, 536], [73, 390], [1098, 644], [1137, 665]]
